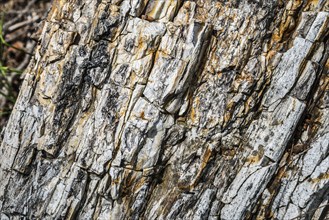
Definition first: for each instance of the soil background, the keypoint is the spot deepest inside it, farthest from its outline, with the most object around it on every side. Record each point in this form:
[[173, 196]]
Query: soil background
[[21, 23]]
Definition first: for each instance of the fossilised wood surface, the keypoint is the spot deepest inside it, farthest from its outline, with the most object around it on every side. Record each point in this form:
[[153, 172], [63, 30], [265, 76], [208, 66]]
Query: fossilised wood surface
[[172, 109]]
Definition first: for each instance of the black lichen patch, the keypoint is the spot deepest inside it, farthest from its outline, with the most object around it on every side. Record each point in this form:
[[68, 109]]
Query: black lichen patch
[[107, 26]]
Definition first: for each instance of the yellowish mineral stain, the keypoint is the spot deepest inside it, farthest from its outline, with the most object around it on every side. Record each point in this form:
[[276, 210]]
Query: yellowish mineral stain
[[322, 177]]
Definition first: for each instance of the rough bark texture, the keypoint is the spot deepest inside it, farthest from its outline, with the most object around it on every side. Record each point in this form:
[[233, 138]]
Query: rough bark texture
[[171, 109]]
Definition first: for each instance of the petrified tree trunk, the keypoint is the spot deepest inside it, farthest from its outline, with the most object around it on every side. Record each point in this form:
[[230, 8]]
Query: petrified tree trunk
[[165, 109]]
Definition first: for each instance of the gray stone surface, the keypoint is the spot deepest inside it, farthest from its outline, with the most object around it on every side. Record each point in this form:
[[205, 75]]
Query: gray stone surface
[[144, 109]]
